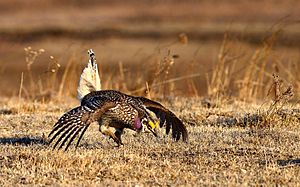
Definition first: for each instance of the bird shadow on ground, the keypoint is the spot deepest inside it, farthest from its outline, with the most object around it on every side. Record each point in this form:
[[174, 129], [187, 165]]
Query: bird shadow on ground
[[289, 162], [26, 140], [98, 145], [284, 163], [7, 111]]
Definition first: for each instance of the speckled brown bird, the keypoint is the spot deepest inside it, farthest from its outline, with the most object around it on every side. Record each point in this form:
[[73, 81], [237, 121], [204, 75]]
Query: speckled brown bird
[[114, 111]]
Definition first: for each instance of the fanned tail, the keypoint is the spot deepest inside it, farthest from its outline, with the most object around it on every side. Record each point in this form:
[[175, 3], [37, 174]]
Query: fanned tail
[[89, 79]]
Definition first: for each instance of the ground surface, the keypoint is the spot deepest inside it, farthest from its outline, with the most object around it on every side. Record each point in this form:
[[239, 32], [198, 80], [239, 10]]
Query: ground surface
[[215, 155]]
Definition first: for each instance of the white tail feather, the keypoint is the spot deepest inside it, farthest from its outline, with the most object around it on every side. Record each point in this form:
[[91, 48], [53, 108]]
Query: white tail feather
[[89, 79]]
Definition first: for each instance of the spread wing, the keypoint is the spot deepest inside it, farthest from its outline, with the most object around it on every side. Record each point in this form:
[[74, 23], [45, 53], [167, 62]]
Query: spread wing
[[168, 118], [75, 122]]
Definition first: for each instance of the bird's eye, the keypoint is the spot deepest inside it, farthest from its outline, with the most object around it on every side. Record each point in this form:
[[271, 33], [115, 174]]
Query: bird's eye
[[144, 121]]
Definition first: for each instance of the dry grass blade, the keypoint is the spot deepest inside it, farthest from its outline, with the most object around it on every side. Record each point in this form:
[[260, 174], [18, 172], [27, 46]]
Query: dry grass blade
[[281, 96], [221, 78]]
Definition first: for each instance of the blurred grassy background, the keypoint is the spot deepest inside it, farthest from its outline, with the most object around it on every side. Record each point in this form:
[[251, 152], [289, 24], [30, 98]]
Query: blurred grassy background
[[131, 39]]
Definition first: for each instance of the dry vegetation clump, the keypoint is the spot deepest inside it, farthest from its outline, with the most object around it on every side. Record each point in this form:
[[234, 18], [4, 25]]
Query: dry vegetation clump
[[238, 73], [274, 112], [51, 83], [247, 76]]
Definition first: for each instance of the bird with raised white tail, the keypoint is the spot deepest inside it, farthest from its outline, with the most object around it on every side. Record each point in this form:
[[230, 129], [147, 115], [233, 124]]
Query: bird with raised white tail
[[113, 111], [89, 79]]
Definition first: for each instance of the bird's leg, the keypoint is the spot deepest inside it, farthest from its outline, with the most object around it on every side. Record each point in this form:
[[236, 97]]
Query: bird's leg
[[118, 134], [112, 133]]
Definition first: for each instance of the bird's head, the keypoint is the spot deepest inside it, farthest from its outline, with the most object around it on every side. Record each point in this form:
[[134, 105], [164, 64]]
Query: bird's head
[[151, 123]]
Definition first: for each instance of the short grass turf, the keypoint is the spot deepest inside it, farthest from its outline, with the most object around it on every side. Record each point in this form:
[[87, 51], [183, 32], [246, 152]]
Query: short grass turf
[[215, 155]]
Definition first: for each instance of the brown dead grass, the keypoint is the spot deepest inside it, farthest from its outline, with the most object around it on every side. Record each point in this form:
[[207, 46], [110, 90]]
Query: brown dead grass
[[239, 71], [215, 155]]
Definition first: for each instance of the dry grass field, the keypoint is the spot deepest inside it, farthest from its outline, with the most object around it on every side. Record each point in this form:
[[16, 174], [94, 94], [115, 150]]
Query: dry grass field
[[218, 153], [235, 84]]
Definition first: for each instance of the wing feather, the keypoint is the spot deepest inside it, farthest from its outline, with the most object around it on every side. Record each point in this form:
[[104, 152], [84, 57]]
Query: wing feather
[[73, 137], [68, 136], [72, 122], [81, 135]]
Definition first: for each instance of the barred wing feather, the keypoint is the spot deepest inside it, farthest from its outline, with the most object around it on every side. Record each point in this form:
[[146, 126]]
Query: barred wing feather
[[76, 122]]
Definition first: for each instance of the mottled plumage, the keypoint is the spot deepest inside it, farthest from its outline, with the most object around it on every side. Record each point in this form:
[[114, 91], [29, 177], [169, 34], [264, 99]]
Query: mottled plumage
[[114, 111]]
